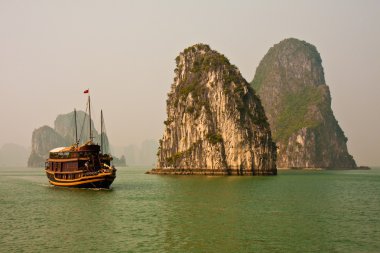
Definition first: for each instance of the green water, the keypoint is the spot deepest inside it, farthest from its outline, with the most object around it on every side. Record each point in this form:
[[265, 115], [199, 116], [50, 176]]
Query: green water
[[296, 211]]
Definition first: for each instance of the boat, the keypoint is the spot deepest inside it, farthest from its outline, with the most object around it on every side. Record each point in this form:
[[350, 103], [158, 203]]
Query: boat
[[81, 166]]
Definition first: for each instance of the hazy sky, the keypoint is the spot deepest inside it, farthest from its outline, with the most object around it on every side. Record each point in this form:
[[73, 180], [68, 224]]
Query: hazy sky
[[124, 51]]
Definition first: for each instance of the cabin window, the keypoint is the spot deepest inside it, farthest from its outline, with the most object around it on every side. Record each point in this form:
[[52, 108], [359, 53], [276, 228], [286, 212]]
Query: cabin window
[[67, 168], [70, 166]]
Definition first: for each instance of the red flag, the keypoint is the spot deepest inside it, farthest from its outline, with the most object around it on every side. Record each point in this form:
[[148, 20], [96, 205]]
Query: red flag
[[86, 91]]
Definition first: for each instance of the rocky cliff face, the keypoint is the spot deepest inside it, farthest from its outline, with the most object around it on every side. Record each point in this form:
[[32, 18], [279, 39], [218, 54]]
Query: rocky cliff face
[[291, 85], [64, 125], [215, 124], [46, 138]]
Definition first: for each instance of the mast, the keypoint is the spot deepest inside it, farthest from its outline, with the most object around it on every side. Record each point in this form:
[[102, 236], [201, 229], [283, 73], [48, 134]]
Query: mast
[[76, 127], [89, 112], [101, 131]]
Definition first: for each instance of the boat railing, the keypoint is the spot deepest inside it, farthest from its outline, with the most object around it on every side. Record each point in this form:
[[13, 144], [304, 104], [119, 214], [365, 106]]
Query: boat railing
[[65, 155], [90, 173], [68, 172]]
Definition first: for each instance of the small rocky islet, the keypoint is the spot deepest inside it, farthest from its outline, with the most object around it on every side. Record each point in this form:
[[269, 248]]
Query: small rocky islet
[[291, 84], [46, 138], [215, 123]]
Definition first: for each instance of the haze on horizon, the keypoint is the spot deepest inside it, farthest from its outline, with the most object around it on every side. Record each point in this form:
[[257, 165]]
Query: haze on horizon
[[124, 51]]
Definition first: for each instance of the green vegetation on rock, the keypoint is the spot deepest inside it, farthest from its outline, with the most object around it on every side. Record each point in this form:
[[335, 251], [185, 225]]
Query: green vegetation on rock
[[201, 66], [214, 138], [294, 116]]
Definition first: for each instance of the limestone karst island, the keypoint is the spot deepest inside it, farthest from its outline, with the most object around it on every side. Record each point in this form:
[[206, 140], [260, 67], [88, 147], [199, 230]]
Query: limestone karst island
[[46, 138], [215, 123], [291, 84]]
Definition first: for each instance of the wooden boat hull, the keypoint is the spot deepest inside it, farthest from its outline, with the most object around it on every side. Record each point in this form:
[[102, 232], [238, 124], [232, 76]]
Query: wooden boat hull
[[101, 180]]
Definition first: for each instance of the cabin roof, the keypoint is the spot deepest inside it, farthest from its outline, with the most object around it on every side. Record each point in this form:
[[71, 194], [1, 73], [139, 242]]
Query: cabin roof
[[73, 148], [62, 149], [57, 150]]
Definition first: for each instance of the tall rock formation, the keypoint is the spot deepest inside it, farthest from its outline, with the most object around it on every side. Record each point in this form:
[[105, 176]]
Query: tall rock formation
[[291, 85], [46, 138], [64, 125], [215, 124]]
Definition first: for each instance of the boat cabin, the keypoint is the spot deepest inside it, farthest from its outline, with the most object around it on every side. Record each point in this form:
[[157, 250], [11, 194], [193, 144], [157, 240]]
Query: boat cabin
[[72, 162]]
